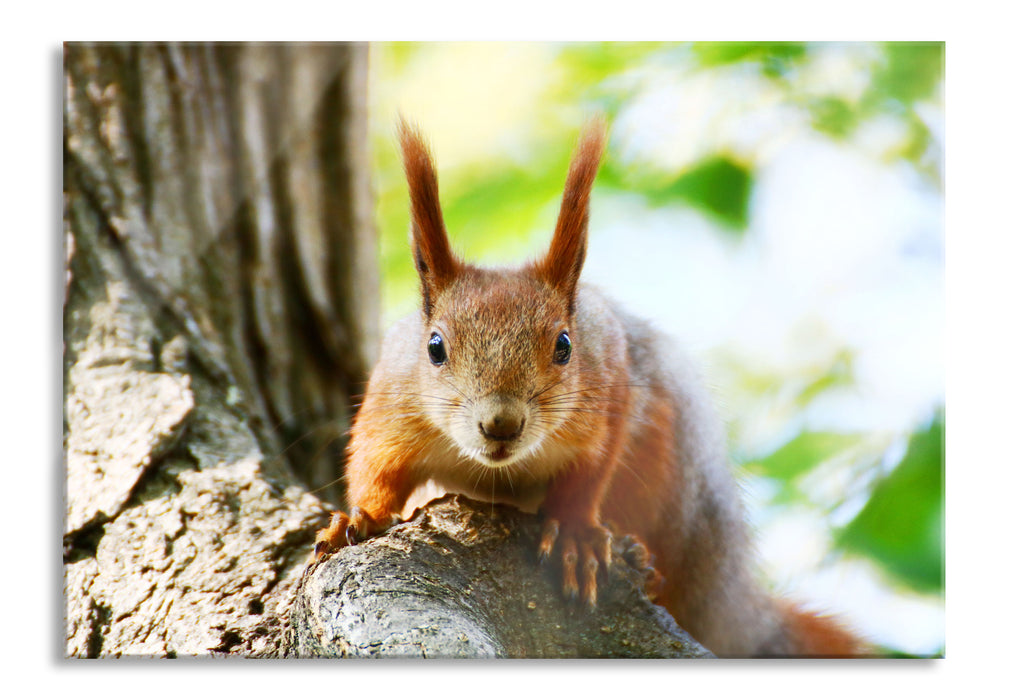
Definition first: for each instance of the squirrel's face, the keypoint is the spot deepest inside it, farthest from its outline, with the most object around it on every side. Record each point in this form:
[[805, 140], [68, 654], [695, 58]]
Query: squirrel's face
[[498, 347], [499, 367]]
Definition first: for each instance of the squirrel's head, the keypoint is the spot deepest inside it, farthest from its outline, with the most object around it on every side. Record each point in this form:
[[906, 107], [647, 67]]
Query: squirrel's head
[[501, 346]]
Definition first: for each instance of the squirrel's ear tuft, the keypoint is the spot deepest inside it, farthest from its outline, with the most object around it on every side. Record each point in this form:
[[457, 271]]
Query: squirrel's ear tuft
[[563, 262], [436, 264]]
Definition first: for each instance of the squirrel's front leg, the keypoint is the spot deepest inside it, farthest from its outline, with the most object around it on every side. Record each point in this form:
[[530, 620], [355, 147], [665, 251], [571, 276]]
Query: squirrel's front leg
[[377, 490], [572, 528]]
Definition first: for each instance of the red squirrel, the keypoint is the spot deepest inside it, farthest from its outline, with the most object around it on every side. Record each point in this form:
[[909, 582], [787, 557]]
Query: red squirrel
[[523, 386]]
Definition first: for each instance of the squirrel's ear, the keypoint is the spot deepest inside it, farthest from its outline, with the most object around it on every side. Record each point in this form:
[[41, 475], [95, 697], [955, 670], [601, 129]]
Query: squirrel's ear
[[563, 262], [436, 264]]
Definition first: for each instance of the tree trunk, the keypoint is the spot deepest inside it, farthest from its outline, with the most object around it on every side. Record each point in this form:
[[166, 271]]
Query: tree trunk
[[221, 310]]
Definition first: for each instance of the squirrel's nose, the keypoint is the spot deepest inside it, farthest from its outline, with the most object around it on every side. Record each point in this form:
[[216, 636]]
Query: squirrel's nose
[[502, 427]]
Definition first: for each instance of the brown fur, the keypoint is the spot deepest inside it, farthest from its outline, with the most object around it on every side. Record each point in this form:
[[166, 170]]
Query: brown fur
[[621, 433], [563, 262], [433, 256]]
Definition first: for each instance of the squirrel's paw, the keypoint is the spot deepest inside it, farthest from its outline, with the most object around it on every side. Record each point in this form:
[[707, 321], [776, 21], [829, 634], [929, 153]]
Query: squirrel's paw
[[350, 529], [584, 548], [640, 559]]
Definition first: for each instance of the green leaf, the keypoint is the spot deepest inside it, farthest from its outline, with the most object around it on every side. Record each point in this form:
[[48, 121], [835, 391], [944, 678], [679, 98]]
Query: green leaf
[[910, 71], [901, 525], [718, 185], [833, 116], [800, 455]]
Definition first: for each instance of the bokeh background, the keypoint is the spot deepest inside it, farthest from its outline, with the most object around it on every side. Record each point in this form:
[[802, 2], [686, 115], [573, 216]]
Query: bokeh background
[[778, 207]]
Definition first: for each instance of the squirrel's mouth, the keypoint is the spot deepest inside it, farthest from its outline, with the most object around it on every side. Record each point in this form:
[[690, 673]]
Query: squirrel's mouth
[[499, 453]]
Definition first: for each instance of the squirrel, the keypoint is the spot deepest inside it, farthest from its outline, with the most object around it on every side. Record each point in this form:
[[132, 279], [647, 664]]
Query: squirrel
[[524, 386]]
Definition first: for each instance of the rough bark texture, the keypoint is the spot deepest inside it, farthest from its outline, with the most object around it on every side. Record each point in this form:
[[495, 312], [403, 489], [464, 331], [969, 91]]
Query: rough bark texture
[[220, 313], [461, 579]]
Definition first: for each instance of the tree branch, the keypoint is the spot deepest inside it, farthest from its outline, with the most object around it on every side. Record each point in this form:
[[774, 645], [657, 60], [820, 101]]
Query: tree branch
[[461, 579]]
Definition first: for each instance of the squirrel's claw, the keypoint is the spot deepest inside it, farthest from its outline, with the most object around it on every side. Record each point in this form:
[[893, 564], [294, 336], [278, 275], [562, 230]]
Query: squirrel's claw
[[334, 537], [548, 537], [640, 559], [347, 530], [583, 551]]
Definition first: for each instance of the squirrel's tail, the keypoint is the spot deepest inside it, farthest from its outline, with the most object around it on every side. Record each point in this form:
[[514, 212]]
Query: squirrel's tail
[[811, 634]]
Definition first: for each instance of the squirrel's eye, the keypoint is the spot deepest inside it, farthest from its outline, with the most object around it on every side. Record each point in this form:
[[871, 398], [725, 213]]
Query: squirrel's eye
[[562, 350], [436, 350]]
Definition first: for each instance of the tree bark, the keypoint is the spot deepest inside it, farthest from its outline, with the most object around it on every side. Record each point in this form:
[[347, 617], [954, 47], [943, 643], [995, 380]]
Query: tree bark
[[220, 312]]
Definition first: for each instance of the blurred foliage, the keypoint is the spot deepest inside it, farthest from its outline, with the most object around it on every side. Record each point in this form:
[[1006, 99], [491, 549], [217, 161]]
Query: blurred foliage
[[904, 73], [491, 206], [901, 525], [833, 116], [496, 200], [909, 72], [719, 185], [803, 453], [774, 57], [589, 65]]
